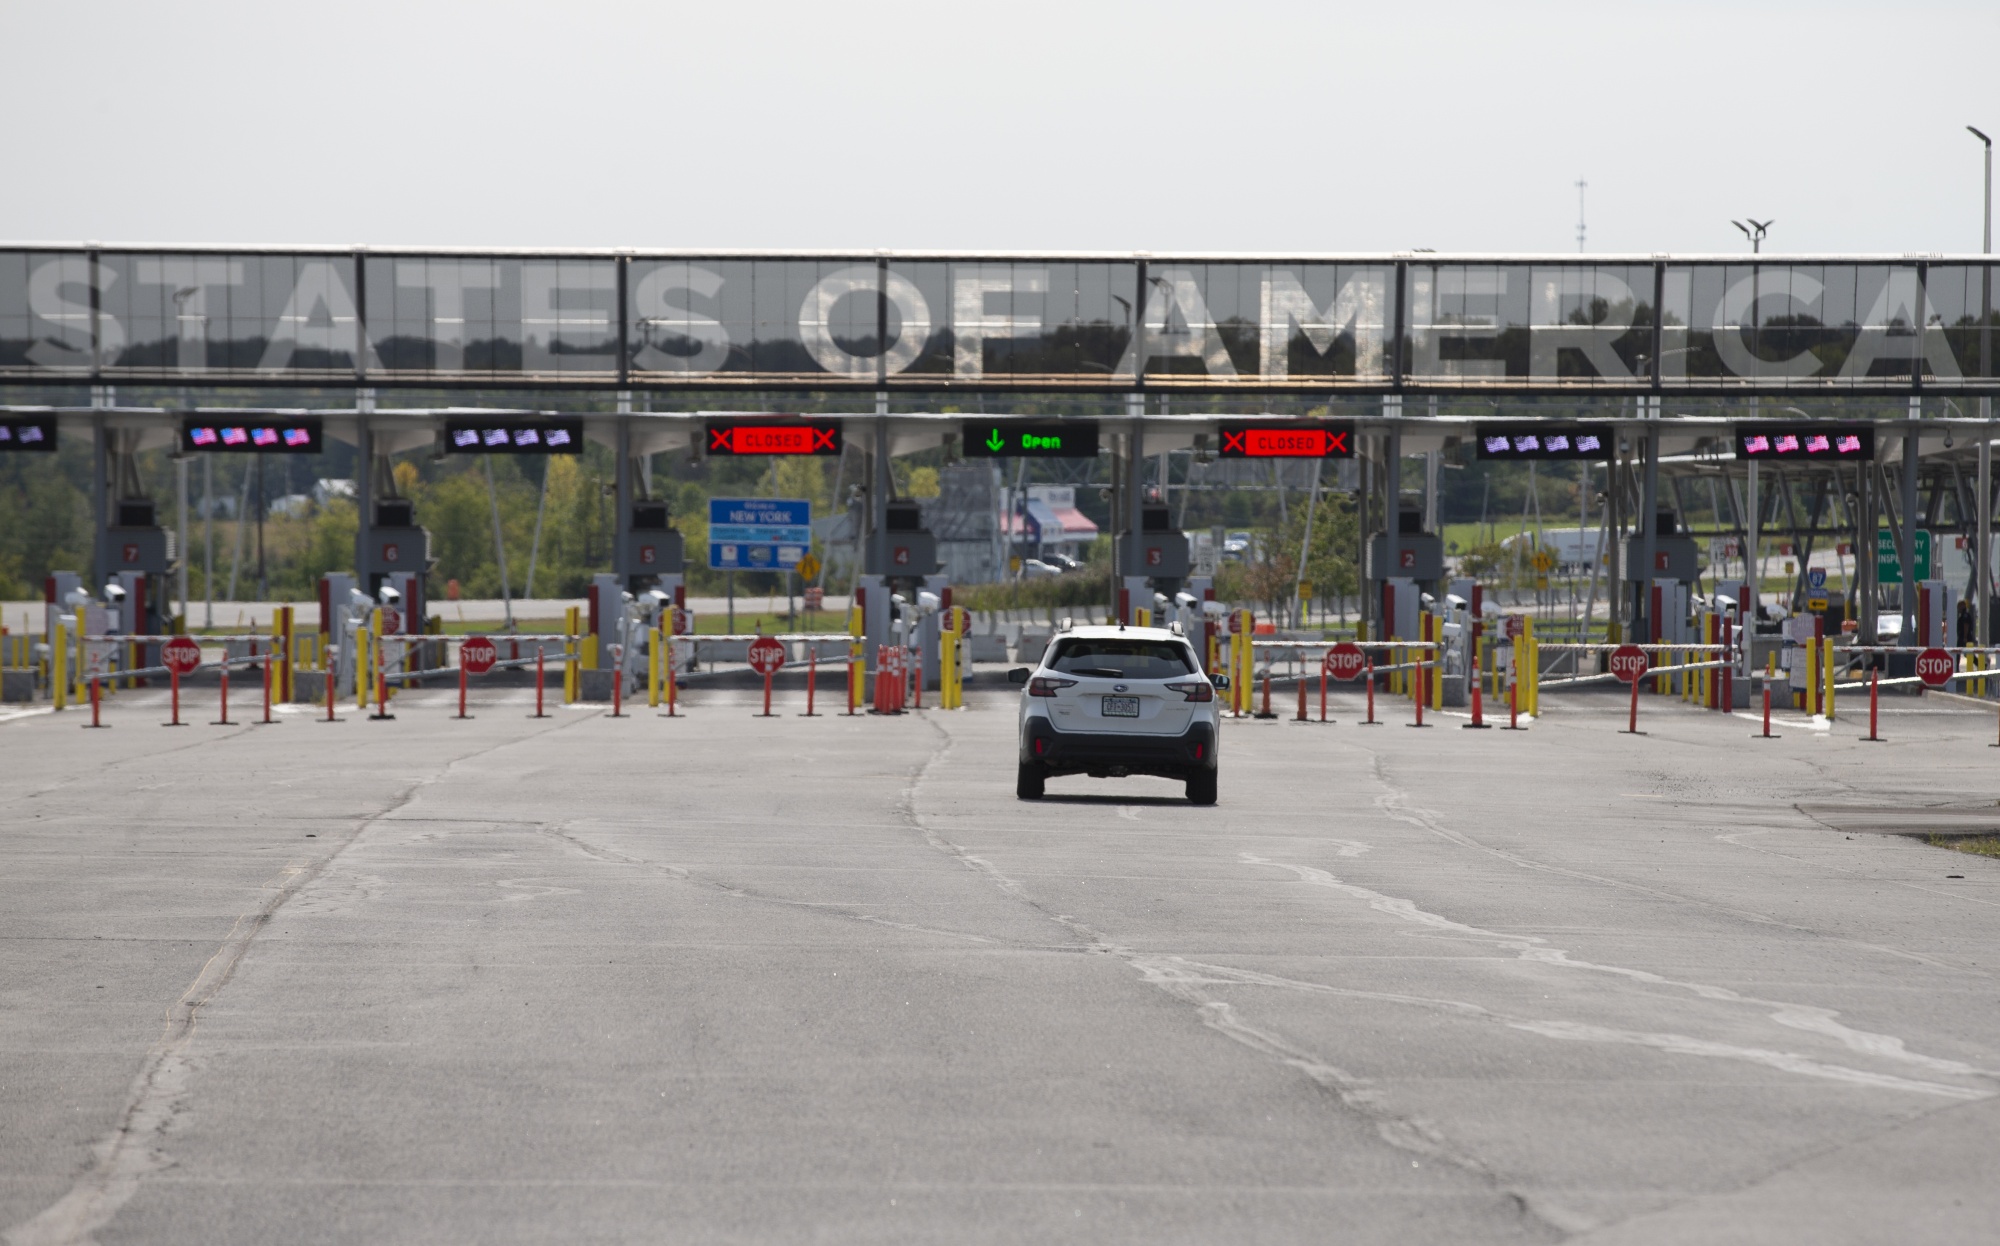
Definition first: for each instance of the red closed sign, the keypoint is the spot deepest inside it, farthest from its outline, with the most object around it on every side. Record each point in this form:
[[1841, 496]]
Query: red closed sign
[[1628, 662], [766, 656], [1345, 661], [181, 655], [477, 655], [1935, 667]]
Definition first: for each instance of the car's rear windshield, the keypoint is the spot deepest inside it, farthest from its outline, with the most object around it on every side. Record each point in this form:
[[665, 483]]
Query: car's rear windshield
[[1115, 658]]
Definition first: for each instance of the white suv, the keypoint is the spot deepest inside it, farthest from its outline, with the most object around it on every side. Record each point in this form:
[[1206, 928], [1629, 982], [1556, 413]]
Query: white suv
[[1113, 701]]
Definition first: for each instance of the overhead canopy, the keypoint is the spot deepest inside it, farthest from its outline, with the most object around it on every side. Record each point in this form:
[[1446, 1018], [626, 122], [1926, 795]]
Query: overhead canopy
[[1098, 323]]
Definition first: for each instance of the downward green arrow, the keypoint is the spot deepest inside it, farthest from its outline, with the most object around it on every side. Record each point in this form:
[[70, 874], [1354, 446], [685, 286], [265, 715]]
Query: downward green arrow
[[994, 441]]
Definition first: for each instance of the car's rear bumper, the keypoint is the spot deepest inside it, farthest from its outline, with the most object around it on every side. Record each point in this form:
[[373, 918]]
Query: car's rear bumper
[[1100, 753]]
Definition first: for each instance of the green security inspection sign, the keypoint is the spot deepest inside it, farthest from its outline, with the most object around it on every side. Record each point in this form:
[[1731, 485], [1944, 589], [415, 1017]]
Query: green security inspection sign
[[1049, 439], [1889, 564]]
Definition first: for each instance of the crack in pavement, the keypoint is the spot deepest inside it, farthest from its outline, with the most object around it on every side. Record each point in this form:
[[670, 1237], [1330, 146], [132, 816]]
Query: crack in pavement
[[164, 1085], [1183, 980]]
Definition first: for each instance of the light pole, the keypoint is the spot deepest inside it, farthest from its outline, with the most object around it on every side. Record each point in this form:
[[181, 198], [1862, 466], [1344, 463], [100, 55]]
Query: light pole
[[1982, 580], [1754, 231]]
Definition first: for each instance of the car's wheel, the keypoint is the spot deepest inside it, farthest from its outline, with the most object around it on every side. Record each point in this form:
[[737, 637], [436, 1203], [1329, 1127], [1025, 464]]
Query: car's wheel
[[1201, 787], [1028, 781]]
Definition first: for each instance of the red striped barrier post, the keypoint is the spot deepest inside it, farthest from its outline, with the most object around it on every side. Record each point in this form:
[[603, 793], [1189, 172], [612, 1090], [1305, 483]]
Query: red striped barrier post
[[1632, 725], [93, 704], [812, 677], [1874, 704], [1369, 677], [1322, 693], [538, 681], [224, 720], [267, 689], [461, 690], [618, 689], [1302, 702]]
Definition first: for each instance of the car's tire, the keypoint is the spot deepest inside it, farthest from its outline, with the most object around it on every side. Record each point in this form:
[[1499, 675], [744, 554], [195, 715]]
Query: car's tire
[[1201, 787], [1028, 781]]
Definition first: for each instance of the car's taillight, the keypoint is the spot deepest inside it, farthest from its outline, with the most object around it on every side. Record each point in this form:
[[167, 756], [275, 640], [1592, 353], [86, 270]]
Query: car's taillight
[[1042, 686], [1200, 690]]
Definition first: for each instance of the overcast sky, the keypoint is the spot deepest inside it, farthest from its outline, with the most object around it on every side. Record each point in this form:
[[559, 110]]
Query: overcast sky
[[1073, 125]]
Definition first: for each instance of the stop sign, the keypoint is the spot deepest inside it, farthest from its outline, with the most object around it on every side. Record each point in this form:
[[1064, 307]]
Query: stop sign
[[1628, 662], [392, 621], [958, 620], [477, 655], [1344, 661], [682, 622], [181, 655], [1935, 667], [766, 655]]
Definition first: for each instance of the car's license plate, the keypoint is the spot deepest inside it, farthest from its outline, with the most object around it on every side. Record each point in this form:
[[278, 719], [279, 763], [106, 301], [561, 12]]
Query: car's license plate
[[1121, 707]]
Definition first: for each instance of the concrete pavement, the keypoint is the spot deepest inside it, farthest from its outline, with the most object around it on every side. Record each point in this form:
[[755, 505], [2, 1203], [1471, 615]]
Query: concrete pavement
[[718, 978]]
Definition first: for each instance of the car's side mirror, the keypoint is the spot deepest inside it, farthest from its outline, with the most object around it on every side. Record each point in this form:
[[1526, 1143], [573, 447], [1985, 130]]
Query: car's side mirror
[[1019, 675], [1221, 683]]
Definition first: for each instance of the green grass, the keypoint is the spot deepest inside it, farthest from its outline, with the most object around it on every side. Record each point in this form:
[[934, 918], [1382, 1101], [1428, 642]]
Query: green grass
[[1977, 845]]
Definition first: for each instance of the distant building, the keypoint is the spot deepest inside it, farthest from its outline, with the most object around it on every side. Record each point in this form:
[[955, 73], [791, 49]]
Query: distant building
[[1048, 518]]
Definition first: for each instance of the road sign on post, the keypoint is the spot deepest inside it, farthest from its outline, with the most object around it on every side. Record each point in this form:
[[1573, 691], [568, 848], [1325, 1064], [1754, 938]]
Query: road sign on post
[[180, 655], [1628, 662], [1935, 667], [758, 534], [477, 655], [766, 656], [808, 567], [1889, 562], [1345, 661]]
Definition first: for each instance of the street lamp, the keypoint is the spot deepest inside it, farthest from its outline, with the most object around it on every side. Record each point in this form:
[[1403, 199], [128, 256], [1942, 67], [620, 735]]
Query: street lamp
[[1976, 133], [1982, 579], [1754, 231]]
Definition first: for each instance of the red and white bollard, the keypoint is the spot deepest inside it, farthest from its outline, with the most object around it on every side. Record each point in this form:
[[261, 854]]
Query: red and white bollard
[[224, 720], [812, 677], [94, 696], [1767, 715], [1478, 722], [1368, 678], [461, 690], [1874, 705], [1632, 726], [538, 683], [267, 690]]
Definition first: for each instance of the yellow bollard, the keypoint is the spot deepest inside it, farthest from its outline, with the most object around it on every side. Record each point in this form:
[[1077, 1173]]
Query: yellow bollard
[[1528, 657], [948, 668], [362, 667], [653, 670], [79, 690], [59, 677], [1431, 679], [857, 659]]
